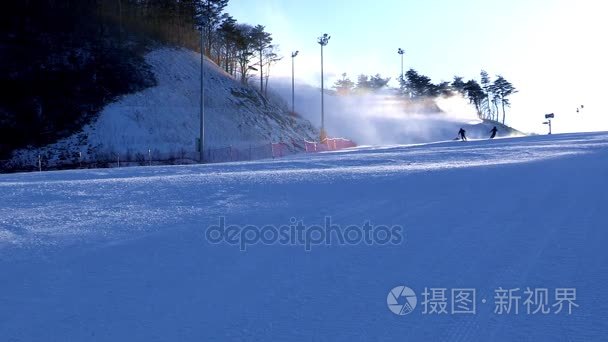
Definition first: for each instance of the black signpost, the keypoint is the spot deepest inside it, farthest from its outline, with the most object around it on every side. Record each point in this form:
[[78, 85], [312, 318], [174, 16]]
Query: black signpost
[[548, 122]]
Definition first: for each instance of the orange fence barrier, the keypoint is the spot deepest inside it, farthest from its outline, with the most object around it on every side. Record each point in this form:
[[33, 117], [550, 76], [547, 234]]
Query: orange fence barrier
[[329, 144]]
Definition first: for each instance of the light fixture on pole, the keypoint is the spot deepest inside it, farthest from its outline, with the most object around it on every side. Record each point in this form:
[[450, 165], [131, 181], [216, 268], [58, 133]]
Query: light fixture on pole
[[323, 40], [293, 86], [401, 52]]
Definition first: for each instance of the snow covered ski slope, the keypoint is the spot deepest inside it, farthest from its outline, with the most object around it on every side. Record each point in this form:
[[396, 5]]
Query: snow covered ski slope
[[136, 254]]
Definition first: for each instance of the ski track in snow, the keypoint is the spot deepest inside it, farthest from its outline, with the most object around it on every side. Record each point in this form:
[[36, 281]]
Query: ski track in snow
[[120, 254]]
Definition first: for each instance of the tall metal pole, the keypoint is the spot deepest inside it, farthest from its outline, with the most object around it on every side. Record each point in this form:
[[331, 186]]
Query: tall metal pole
[[293, 86], [401, 52], [323, 135], [202, 109], [548, 122], [323, 40], [261, 73]]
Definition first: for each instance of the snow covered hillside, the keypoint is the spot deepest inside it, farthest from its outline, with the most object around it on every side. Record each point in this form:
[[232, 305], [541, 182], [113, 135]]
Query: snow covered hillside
[[127, 254], [380, 119], [165, 118]]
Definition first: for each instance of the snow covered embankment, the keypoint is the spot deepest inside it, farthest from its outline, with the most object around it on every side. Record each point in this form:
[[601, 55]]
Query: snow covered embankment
[[165, 119]]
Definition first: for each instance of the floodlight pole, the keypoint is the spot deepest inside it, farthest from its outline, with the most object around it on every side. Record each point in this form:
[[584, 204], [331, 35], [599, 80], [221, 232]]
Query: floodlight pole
[[323, 40], [401, 52], [548, 122], [293, 87], [202, 104]]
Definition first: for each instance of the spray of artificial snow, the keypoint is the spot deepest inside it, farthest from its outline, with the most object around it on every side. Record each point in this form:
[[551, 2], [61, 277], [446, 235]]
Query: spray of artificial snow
[[385, 118]]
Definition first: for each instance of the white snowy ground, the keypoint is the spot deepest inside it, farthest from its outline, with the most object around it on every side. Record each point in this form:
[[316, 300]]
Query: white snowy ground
[[121, 255]]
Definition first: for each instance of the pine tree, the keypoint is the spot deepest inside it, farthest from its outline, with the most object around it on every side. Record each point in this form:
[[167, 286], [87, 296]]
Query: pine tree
[[503, 89], [444, 89], [378, 82], [363, 82], [486, 84], [475, 94], [271, 56], [228, 36], [244, 50], [458, 85], [261, 41], [344, 86], [416, 85], [210, 16]]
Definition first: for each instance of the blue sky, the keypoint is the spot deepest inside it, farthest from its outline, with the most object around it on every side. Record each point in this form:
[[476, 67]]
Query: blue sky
[[539, 45]]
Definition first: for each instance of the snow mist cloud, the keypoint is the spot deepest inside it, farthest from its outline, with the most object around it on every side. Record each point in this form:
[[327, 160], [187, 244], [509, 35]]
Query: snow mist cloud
[[380, 118]]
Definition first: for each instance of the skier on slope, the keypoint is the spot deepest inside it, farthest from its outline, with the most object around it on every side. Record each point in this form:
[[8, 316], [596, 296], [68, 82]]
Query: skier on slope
[[462, 134], [493, 131]]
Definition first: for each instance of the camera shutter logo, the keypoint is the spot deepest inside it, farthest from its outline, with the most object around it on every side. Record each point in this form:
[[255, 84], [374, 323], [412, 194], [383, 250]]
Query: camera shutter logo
[[401, 300]]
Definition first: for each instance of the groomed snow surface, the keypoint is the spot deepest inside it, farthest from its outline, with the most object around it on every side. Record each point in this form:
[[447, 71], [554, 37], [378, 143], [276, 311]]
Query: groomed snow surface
[[122, 254]]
